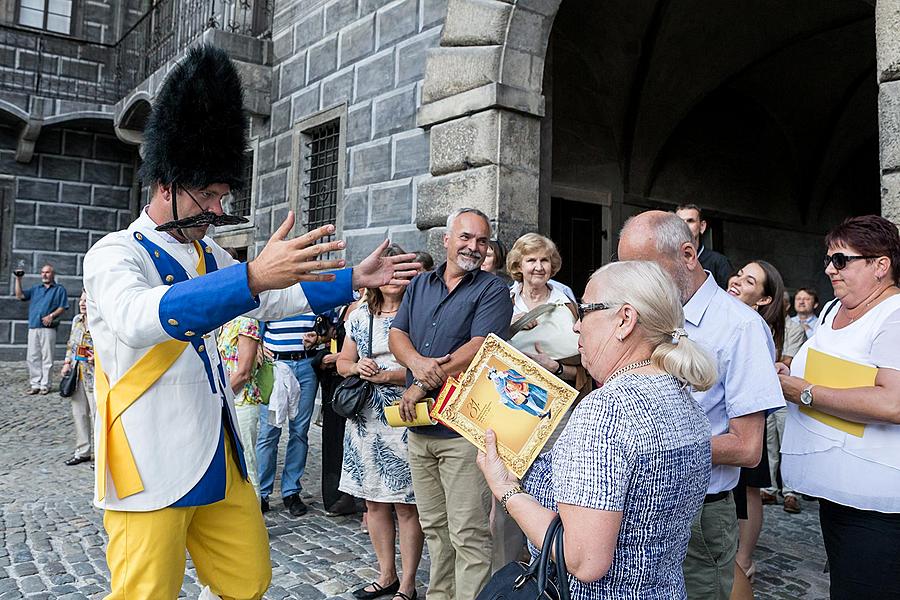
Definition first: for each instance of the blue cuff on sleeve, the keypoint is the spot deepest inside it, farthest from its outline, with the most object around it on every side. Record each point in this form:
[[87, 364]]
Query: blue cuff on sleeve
[[197, 306], [325, 295]]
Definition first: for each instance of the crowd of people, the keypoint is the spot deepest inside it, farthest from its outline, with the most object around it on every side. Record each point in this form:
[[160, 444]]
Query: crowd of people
[[678, 440], [695, 403]]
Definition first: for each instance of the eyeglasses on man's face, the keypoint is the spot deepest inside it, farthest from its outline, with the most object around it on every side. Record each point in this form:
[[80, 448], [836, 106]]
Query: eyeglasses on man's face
[[841, 260], [589, 307]]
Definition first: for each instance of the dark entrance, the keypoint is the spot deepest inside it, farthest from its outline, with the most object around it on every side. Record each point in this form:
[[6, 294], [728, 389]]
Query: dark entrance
[[577, 229]]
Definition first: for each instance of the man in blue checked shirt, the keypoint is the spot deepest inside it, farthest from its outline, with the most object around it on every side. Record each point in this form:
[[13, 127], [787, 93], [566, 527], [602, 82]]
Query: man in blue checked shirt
[[48, 302], [287, 341]]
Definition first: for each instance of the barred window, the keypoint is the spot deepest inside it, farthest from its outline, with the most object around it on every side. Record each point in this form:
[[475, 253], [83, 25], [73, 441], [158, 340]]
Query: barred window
[[240, 202], [51, 15], [323, 147]]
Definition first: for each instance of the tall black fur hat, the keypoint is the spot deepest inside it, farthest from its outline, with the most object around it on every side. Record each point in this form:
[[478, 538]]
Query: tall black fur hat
[[196, 134]]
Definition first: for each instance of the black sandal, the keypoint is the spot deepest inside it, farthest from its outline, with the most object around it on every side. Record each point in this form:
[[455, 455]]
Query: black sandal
[[402, 596], [364, 594]]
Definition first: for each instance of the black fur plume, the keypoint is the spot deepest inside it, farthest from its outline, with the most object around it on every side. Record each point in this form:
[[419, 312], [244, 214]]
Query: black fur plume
[[196, 134]]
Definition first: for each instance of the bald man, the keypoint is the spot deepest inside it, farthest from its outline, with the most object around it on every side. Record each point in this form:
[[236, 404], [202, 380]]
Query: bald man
[[742, 346]]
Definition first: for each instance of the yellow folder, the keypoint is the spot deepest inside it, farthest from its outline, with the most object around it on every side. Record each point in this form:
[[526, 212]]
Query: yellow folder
[[830, 371], [392, 415]]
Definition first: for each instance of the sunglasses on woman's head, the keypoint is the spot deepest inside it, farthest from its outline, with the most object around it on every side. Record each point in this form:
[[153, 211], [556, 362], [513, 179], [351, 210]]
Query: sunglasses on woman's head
[[841, 260]]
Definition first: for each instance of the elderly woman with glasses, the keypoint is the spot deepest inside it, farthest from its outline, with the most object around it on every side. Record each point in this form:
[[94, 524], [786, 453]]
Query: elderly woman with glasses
[[631, 469], [842, 440]]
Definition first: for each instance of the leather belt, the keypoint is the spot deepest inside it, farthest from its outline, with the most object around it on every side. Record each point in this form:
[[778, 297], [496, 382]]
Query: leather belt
[[290, 355], [715, 497]]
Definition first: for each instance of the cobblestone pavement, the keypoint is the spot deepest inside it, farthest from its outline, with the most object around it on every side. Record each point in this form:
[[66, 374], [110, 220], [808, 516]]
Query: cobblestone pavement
[[52, 540]]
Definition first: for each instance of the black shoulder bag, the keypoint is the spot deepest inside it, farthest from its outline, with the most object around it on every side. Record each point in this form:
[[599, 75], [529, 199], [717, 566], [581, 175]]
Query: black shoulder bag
[[69, 381], [543, 579], [353, 393]]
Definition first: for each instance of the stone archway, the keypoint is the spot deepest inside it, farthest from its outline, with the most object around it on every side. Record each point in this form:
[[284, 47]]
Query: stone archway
[[481, 100]]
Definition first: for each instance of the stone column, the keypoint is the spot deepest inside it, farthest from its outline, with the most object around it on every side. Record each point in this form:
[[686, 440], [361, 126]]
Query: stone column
[[482, 101], [887, 26]]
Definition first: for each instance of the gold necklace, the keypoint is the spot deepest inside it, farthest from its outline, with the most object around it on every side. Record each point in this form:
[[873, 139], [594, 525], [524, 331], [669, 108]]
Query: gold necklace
[[622, 370]]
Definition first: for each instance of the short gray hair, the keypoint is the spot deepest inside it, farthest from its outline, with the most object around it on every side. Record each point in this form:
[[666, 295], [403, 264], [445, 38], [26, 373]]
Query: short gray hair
[[462, 211], [669, 231]]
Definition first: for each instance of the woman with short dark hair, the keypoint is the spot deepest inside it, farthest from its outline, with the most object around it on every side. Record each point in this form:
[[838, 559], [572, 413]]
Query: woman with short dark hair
[[856, 474]]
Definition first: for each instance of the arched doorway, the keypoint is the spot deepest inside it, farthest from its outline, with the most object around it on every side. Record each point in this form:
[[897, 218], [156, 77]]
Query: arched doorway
[[767, 118]]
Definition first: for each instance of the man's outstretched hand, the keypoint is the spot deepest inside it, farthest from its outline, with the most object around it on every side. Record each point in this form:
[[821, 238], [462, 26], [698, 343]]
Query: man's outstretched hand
[[376, 270], [284, 262]]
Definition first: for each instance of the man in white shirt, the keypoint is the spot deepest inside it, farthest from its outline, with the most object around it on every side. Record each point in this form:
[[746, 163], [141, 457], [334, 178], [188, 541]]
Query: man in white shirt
[[742, 346]]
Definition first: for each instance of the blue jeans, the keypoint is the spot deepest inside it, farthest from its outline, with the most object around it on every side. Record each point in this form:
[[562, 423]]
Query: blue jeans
[[298, 442]]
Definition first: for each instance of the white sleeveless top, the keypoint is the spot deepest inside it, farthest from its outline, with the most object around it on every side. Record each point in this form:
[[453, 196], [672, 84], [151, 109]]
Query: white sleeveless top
[[822, 461]]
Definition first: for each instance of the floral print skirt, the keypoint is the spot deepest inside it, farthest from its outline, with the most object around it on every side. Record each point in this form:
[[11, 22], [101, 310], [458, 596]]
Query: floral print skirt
[[376, 462]]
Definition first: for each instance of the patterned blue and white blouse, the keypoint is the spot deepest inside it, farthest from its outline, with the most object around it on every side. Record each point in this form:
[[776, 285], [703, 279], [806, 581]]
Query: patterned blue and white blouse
[[639, 445]]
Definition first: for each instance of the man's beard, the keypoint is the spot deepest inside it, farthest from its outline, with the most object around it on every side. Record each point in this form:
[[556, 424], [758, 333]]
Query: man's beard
[[469, 262]]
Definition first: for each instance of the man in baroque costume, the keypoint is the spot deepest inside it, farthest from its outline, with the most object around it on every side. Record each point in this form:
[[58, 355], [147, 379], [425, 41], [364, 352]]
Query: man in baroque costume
[[169, 464]]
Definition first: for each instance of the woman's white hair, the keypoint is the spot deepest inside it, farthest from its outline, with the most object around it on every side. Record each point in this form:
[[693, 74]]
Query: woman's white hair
[[652, 293]]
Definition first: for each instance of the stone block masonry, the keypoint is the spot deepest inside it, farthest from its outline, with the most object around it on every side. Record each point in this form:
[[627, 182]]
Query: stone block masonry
[[78, 186], [370, 57]]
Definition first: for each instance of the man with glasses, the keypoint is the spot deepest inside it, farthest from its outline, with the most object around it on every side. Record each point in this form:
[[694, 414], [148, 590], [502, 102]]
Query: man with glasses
[[742, 346]]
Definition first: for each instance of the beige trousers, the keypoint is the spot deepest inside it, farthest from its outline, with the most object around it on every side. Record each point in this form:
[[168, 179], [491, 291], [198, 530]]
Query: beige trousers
[[248, 427], [83, 409], [774, 434], [40, 356], [454, 504]]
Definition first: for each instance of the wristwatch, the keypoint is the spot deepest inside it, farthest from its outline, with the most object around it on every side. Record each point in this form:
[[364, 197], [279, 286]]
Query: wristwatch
[[560, 369], [420, 385], [806, 397], [517, 489]]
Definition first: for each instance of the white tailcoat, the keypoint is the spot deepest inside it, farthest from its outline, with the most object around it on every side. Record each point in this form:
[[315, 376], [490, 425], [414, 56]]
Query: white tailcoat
[[173, 429]]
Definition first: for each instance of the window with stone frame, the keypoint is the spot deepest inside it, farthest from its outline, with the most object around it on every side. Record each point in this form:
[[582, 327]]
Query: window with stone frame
[[50, 15], [240, 203], [318, 168]]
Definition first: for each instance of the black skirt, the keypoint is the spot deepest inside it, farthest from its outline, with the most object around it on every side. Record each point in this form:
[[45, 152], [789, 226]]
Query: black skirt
[[756, 477]]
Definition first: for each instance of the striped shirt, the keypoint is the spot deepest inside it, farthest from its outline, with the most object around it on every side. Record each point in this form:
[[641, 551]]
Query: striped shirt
[[286, 335]]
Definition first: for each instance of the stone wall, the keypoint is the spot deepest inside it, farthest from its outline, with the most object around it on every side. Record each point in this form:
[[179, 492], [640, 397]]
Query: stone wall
[[77, 187], [368, 55]]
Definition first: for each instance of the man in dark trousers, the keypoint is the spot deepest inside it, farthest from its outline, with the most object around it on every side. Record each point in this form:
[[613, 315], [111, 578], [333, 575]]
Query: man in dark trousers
[[712, 261]]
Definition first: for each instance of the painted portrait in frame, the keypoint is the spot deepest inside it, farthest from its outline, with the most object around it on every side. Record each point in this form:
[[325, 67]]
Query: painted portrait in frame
[[504, 390]]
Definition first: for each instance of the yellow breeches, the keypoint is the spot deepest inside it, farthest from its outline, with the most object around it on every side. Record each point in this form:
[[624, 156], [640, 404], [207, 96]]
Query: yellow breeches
[[228, 543]]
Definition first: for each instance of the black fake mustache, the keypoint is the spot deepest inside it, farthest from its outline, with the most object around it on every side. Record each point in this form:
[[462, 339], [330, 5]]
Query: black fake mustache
[[204, 218]]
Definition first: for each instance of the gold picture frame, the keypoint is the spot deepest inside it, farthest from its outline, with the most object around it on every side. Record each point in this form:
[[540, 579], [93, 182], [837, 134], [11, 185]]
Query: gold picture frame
[[504, 390]]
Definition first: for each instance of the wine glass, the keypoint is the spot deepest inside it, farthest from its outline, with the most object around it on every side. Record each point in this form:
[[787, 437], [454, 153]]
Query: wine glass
[[20, 268]]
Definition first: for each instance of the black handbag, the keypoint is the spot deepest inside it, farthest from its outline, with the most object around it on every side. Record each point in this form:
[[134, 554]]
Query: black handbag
[[353, 393], [540, 580], [69, 381]]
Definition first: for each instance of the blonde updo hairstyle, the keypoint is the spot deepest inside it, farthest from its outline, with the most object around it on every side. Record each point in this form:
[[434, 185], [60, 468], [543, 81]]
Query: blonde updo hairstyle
[[652, 293], [532, 243]]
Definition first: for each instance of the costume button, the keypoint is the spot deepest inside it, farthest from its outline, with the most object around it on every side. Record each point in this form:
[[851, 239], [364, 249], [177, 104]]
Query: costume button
[[169, 278], [156, 253], [208, 250], [173, 322], [201, 348], [138, 236], [189, 334]]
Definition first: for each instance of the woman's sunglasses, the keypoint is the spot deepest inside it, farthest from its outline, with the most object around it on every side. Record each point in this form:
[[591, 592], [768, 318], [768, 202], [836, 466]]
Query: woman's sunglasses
[[585, 308], [841, 260]]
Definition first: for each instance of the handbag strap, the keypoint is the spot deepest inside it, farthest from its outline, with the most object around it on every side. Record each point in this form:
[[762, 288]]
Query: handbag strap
[[371, 323], [562, 573], [538, 567], [530, 316]]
